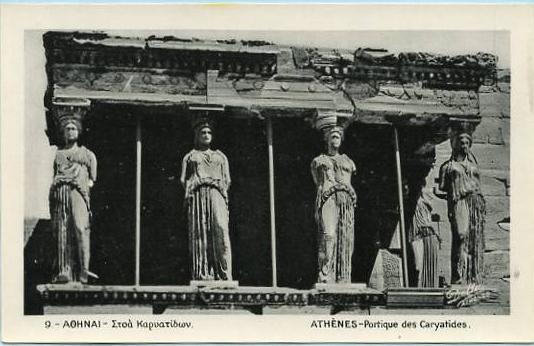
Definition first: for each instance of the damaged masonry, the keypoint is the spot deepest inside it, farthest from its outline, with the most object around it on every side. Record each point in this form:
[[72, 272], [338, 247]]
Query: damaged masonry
[[138, 100]]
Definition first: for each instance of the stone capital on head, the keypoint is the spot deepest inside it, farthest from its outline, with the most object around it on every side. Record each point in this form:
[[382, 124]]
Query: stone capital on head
[[67, 111], [199, 123], [329, 122], [461, 130]]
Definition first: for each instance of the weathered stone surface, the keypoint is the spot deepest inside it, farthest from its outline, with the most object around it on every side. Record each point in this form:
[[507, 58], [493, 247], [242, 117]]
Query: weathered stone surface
[[102, 50], [197, 310], [186, 299], [495, 157], [497, 208], [496, 264], [286, 310], [117, 80], [492, 186], [491, 130], [171, 71], [96, 309], [214, 284], [341, 287], [495, 104], [355, 311], [387, 271]]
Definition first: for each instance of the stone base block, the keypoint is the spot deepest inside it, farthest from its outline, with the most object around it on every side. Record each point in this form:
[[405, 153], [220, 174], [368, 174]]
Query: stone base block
[[341, 287], [130, 309], [65, 299], [415, 297], [214, 284]]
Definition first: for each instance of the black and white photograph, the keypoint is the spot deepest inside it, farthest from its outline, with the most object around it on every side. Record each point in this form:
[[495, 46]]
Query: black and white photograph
[[227, 172], [349, 175]]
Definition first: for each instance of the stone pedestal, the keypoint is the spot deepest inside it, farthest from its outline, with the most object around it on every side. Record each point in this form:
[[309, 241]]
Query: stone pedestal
[[214, 284], [415, 297], [68, 299], [98, 309], [341, 287]]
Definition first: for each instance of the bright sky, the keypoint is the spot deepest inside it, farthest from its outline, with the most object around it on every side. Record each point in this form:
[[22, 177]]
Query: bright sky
[[39, 154]]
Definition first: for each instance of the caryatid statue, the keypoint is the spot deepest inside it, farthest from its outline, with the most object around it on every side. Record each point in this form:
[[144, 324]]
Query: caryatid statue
[[459, 182], [335, 205], [425, 241], [70, 211], [206, 180]]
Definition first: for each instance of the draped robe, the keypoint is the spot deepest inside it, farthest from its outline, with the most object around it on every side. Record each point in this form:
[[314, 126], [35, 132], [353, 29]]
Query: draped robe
[[206, 201], [334, 214]]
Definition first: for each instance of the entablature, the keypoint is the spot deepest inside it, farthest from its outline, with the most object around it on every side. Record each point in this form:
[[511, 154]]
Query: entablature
[[256, 77]]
